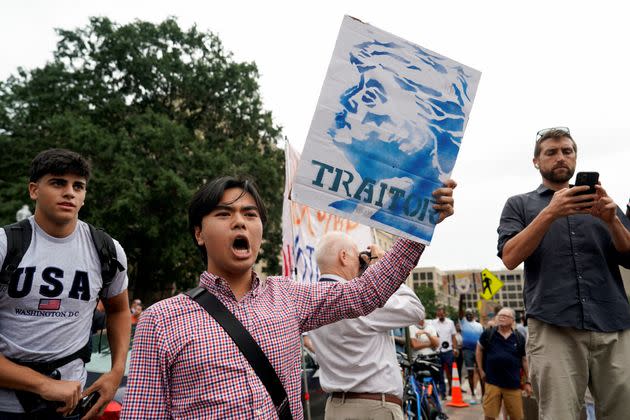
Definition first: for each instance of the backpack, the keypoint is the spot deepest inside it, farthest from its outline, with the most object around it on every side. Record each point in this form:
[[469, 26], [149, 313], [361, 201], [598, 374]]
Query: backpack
[[19, 239]]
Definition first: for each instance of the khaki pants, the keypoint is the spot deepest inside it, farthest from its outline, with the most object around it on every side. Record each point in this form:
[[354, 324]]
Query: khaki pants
[[563, 361], [495, 396], [359, 409]]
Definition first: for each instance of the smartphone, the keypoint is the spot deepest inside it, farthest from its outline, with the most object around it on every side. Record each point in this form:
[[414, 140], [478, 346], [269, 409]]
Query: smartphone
[[587, 178], [85, 404]]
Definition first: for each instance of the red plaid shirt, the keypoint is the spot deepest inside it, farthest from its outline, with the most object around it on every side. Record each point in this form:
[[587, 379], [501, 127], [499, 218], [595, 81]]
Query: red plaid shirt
[[185, 366]]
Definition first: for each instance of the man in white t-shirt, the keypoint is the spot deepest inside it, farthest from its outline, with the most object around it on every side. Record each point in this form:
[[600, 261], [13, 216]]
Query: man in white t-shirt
[[446, 331], [46, 307], [357, 358], [424, 338]]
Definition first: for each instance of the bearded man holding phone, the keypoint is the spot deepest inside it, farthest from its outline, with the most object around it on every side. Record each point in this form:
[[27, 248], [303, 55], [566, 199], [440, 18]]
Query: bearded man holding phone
[[572, 241]]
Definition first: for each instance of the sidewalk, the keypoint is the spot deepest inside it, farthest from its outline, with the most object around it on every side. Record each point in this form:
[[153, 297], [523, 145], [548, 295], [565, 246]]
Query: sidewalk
[[474, 412]]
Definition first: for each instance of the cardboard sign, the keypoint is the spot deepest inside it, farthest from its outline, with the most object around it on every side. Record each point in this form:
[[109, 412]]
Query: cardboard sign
[[386, 131]]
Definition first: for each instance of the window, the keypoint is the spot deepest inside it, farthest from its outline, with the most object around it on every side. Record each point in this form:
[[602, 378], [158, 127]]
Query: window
[[510, 277], [423, 276], [430, 276], [415, 276]]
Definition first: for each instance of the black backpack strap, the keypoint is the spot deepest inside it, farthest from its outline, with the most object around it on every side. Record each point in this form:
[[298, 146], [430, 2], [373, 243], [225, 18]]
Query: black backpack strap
[[106, 250], [493, 331], [248, 346], [18, 240], [520, 340]]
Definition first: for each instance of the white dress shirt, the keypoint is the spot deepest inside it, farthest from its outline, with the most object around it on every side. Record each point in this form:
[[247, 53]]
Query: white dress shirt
[[358, 355]]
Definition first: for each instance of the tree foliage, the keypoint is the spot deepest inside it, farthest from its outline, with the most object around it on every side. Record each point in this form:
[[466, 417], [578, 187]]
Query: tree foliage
[[158, 110], [426, 294]]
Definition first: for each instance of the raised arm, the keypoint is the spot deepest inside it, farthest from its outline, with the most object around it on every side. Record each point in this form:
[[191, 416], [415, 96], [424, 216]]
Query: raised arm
[[402, 309], [323, 303]]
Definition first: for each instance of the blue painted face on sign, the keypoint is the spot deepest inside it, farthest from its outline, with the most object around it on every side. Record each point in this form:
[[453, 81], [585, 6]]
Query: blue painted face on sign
[[406, 109], [393, 116]]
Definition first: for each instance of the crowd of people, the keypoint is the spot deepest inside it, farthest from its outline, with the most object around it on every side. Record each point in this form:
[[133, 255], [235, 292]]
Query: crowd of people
[[231, 347]]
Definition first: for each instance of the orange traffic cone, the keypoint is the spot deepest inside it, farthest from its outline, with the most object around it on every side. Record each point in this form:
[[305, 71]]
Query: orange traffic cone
[[457, 400]]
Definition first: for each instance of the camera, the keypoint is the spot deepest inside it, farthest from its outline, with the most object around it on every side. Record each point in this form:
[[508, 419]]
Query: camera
[[364, 260], [85, 404]]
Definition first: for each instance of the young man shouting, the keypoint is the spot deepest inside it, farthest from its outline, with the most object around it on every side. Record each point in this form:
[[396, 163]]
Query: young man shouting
[[184, 365]]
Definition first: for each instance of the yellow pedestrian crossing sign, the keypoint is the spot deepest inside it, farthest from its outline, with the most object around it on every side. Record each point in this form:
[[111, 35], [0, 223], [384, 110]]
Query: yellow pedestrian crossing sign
[[490, 284]]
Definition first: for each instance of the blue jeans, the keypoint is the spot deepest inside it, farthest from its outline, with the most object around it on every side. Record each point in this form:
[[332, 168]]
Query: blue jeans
[[446, 362]]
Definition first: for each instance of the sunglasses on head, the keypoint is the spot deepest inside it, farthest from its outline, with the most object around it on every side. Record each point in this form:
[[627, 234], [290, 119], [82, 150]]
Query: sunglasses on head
[[542, 133]]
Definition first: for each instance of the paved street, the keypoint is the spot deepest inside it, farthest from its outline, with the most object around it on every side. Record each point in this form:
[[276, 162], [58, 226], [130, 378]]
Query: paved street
[[474, 412]]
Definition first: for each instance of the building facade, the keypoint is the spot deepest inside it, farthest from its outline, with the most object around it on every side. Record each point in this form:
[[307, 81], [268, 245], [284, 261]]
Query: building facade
[[453, 285]]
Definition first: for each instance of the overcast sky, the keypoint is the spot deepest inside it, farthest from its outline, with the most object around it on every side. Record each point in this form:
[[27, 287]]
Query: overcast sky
[[543, 64]]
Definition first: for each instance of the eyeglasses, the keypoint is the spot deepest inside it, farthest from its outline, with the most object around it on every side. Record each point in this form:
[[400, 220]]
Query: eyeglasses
[[542, 133]]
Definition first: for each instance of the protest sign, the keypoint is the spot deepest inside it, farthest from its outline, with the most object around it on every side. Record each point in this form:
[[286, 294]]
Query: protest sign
[[386, 131], [303, 226]]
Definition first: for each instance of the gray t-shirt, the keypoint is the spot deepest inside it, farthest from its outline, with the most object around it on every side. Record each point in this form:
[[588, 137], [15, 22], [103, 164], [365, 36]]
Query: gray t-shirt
[[47, 314]]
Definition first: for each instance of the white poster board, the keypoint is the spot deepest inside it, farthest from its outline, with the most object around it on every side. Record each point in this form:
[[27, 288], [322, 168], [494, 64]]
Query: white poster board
[[303, 227], [386, 131]]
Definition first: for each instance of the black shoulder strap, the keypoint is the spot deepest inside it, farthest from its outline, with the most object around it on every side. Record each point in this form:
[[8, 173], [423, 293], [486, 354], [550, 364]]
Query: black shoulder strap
[[18, 240], [248, 346], [520, 340], [493, 331], [106, 254]]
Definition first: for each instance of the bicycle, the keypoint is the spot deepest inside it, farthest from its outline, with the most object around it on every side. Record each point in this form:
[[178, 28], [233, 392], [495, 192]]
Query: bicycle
[[420, 397]]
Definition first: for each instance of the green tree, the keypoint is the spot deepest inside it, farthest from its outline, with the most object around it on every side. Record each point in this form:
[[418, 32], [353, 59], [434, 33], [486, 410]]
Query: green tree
[[158, 110], [452, 313], [426, 294]]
